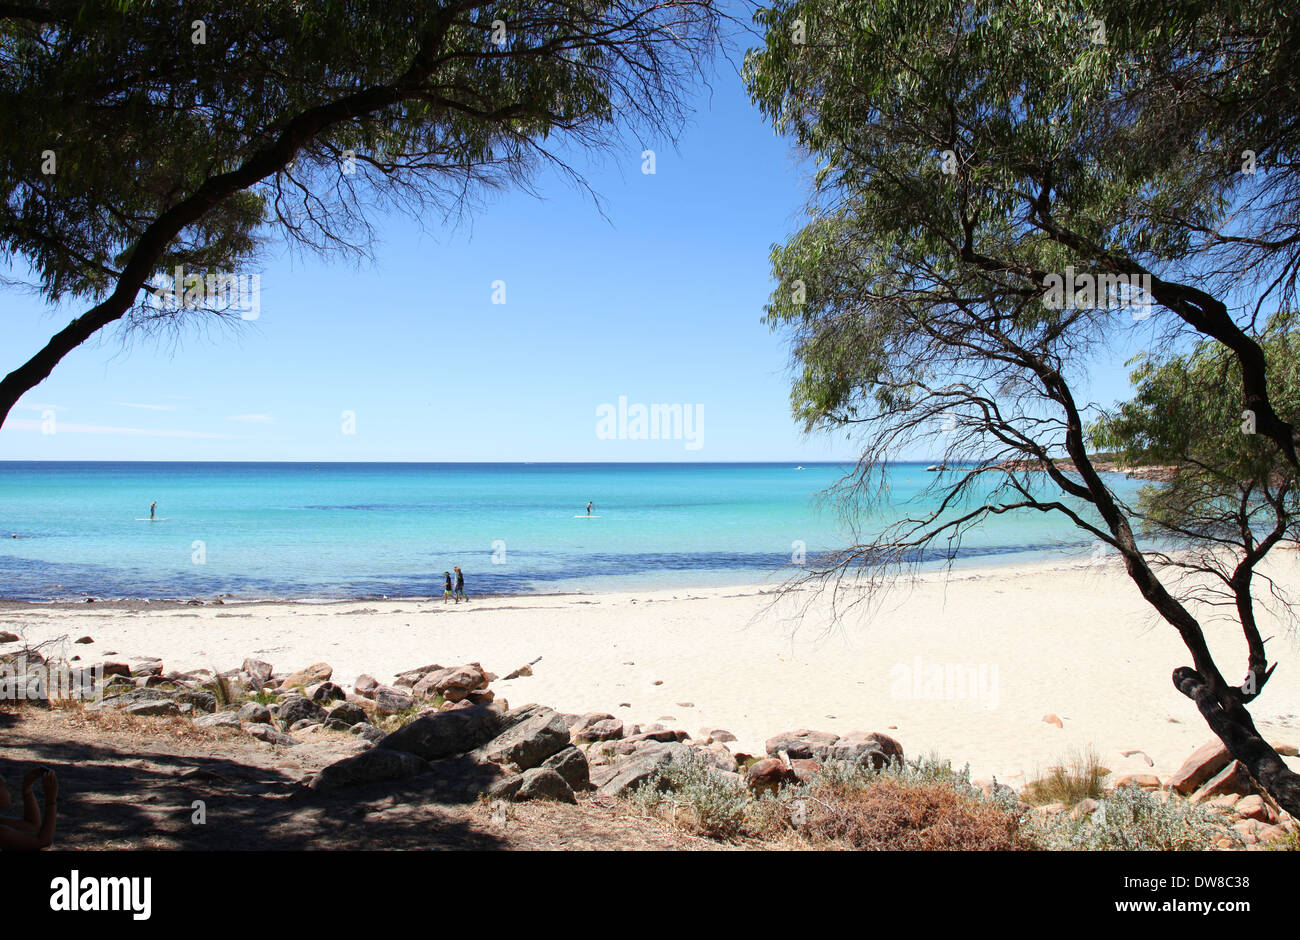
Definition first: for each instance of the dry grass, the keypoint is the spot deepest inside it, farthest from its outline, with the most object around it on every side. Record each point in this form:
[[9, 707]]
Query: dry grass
[[1079, 777], [891, 814]]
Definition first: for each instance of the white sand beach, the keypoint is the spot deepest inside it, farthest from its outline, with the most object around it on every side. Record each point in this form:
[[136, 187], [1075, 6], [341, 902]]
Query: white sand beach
[[1061, 638]]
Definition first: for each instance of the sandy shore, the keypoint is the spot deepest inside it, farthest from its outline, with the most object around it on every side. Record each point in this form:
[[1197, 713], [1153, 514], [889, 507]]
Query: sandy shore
[[965, 665]]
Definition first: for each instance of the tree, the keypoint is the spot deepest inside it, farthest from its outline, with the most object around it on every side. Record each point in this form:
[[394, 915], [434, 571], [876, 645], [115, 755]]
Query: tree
[[1001, 186], [138, 139]]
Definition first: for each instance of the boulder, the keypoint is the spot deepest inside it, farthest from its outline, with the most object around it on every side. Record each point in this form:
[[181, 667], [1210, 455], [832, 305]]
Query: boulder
[[268, 734], [202, 701], [368, 767], [319, 672], [257, 671], [1254, 807], [878, 750], [543, 783], [526, 744], [347, 713], [327, 692], [164, 708], [217, 720], [390, 701], [571, 764], [254, 713], [1206, 761], [365, 686], [597, 726], [437, 735], [410, 677], [295, 708], [453, 684], [769, 774], [368, 732], [622, 777], [7, 637], [802, 744], [716, 735], [302, 724], [1231, 779]]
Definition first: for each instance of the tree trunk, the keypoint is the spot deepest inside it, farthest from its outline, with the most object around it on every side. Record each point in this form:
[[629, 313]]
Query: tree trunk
[[1236, 730]]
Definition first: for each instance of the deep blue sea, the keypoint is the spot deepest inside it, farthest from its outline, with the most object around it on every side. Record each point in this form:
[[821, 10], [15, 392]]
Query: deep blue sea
[[390, 529]]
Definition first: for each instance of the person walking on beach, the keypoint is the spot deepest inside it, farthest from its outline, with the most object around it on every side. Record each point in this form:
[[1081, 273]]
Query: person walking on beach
[[460, 585], [153, 507], [33, 831], [589, 508], [446, 587]]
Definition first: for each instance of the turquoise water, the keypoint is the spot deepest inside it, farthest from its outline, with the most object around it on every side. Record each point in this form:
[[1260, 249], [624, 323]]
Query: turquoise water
[[367, 530]]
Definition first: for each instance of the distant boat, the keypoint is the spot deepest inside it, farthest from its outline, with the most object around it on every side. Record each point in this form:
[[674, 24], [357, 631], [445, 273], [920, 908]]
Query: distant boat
[[798, 468], [934, 466]]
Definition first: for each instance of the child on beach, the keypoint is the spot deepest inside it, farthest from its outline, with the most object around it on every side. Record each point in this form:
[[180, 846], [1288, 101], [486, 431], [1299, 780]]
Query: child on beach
[[446, 587], [460, 585]]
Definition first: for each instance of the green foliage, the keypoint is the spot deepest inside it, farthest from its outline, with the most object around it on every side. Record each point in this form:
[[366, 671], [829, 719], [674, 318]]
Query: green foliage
[[194, 152], [1130, 820], [1186, 411]]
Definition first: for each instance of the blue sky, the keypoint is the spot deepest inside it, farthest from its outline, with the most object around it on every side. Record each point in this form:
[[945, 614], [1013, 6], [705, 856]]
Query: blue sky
[[660, 303]]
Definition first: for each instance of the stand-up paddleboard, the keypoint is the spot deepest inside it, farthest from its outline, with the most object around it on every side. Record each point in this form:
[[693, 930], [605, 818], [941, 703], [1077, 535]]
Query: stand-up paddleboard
[[147, 519], [585, 516]]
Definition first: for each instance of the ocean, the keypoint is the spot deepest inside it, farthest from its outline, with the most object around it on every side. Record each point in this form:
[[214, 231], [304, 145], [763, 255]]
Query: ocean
[[340, 530]]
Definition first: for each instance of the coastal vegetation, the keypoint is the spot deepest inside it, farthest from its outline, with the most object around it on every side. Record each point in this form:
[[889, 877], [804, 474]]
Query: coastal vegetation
[[967, 154]]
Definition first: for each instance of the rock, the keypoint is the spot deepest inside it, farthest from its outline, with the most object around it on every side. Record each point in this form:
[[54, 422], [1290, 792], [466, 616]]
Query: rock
[[718, 756], [769, 774], [1254, 807], [543, 783], [453, 684], [217, 720], [506, 787], [1085, 807], [804, 770], [147, 669], [1286, 750], [159, 709], [82, 640], [597, 726], [1145, 781], [527, 743], [365, 685], [295, 708], [327, 692], [437, 735], [368, 732], [202, 701], [410, 677], [802, 744], [268, 734], [878, 750], [346, 713], [621, 778], [571, 764], [258, 671], [7, 637], [254, 713], [1231, 779], [127, 699], [319, 672], [368, 767], [390, 701], [114, 669], [481, 697], [303, 724], [1053, 720], [719, 735], [1206, 761]]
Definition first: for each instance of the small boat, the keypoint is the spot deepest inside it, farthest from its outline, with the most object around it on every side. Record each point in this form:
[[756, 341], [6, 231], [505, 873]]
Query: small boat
[[935, 466]]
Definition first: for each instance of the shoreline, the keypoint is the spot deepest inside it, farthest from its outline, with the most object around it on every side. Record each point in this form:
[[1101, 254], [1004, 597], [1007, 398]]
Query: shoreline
[[1070, 639]]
